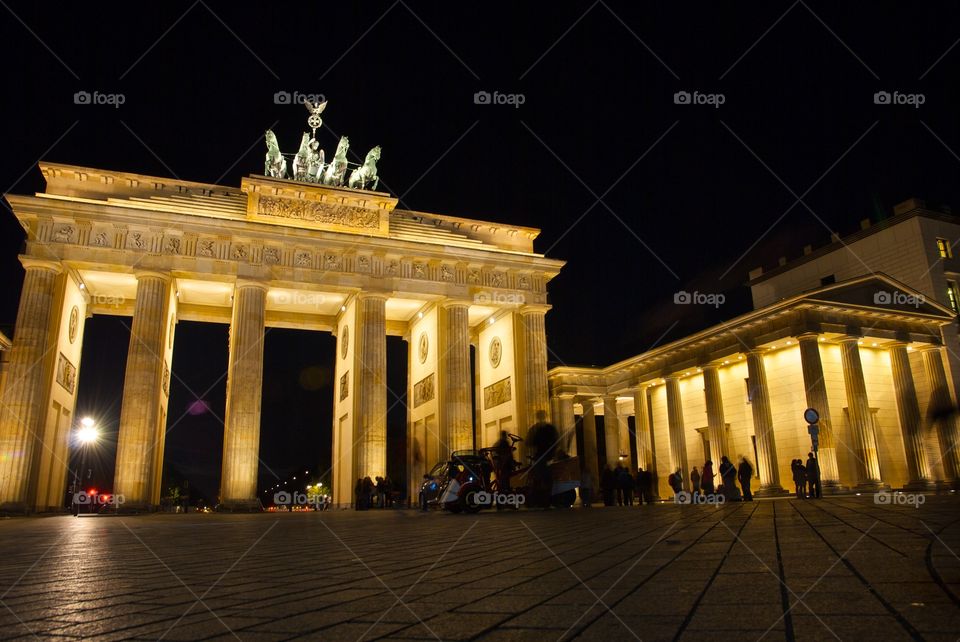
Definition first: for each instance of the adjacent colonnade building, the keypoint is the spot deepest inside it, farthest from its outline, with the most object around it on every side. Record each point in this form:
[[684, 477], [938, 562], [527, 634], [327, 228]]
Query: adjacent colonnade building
[[864, 330]]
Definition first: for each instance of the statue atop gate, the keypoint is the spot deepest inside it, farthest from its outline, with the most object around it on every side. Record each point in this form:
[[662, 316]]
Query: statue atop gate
[[309, 166]]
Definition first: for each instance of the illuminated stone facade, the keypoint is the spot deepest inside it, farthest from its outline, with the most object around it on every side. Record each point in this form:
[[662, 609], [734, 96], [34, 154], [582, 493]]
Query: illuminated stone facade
[[274, 253], [874, 367]]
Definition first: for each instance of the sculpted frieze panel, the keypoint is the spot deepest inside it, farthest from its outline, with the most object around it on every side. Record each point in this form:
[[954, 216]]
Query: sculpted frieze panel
[[319, 212]]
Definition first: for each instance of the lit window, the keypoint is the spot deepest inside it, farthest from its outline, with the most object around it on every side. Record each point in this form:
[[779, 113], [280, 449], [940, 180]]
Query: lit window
[[943, 247], [952, 295]]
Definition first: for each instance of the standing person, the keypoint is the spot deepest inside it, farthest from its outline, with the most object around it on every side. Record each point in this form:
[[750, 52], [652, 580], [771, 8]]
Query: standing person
[[728, 475], [586, 489], [543, 438], [675, 480], [813, 477], [745, 476], [618, 481], [641, 488], [695, 481], [504, 461], [799, 478], [358, 493], [627, 484], [608, 486], [706, 478]]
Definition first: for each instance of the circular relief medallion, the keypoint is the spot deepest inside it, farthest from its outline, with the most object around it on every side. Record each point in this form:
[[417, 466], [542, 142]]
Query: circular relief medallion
[[423, 347], [496, 351], [344, 342], [74, 322]]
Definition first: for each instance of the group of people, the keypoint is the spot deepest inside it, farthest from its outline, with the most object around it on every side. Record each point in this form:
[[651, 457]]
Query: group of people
[[806, 478], [702, 481], [618, 486], [373, 494]]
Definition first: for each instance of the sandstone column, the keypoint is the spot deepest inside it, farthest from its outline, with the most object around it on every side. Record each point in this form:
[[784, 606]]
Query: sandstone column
[[534, 366], [941, 404], [241, 433], [454, 364], [568, 424], [590, 458], [716, 424], [865, 461], [28, 374], [908, 408], [763, 426], [678, 440], [142, 391], [611, 430], [371, 398], [816, 394], [646, 448]]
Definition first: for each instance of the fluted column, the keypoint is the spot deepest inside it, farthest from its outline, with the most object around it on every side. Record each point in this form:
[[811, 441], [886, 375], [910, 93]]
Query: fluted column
[[241, 434], [716, 424], [371, 401], [611, 430], [590, 457], [567, 424], [534, 368], [646, 446], [816, 395], [767, 464], [678, 440], [865, 461], [28, 372], [142, 390], [454, 366], [908, 408], [941, 404]]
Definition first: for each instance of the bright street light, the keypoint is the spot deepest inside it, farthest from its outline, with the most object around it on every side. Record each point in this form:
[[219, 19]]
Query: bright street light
[[87, 433]]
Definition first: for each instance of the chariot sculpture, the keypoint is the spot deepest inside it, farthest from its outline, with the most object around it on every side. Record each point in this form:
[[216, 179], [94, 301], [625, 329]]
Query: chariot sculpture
[[309, 164]]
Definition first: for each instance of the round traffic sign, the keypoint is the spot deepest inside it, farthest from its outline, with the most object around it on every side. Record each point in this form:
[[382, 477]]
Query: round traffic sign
[[811, 416]]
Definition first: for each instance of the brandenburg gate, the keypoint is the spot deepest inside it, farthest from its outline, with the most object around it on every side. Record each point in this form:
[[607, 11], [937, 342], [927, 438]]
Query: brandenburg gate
[[277, 252]]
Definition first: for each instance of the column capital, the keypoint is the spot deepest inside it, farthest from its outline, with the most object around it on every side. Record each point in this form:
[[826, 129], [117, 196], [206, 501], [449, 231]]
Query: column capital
[[927, 347], [33, 262], [140, 274], [709, 366], [454, 303], [809, 336], [249, 283], [847, 338], [364, 296], [534, 308], [897, 344]]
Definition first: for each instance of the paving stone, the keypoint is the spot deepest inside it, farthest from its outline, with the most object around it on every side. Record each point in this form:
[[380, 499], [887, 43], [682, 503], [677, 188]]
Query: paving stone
[[279, 577]]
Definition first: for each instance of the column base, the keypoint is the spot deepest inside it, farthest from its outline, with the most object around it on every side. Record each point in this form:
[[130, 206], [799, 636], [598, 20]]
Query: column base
[[14, 508], [871, 486], [771, 491], [920, 486], [834, 487], [240, 506]]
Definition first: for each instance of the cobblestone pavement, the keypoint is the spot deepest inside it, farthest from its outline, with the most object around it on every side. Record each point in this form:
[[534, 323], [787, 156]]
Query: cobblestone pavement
[[839, 568]]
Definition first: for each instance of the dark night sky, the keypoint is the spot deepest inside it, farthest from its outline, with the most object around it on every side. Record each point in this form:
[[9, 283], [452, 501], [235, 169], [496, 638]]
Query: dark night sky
[[598, 82]]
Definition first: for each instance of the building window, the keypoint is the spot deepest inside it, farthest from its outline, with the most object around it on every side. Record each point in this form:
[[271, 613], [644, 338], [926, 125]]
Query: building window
[[944, 249], [952, 295], [828, 280], [746, 381], [756, 457]]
